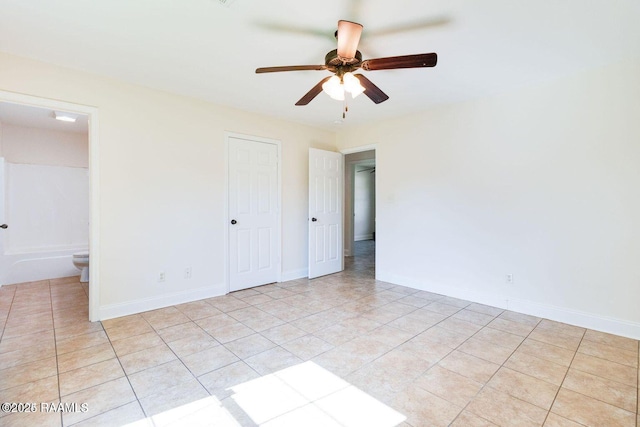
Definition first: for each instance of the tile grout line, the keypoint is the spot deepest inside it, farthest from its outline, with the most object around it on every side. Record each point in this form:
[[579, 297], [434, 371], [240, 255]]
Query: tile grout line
[[596, 375], [565, 376], [179, 358], [55, 344], [125, 376], [125, 372], [6, 320], [501, 366]]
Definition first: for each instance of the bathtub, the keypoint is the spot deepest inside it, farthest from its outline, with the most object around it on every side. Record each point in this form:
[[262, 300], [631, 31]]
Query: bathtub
[[47, 210], [43, 264]]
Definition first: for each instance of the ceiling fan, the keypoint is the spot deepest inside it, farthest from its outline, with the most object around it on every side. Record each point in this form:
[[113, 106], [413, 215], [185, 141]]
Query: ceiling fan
[[346, 59]]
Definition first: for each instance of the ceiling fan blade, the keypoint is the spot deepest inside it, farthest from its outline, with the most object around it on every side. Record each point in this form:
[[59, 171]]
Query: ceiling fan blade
[[406, 61], [348, 39], [326, 33], [372, 91], [422, 24], [290, 68], [308, 97]]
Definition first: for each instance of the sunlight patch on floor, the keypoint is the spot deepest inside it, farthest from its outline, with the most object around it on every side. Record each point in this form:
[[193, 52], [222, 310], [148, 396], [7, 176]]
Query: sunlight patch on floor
[[307, 394], [304, 394]]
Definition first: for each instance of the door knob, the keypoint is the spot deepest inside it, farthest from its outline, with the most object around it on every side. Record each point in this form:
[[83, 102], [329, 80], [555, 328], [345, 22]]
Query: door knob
[[4, 226], [314, 219], [234, 222]]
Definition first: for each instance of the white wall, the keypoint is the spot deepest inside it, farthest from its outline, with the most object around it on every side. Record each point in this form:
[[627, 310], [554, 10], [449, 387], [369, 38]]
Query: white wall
[[350, 161], [162, 184], [44, 147], [47, 208], [542, 184], [364, 198]]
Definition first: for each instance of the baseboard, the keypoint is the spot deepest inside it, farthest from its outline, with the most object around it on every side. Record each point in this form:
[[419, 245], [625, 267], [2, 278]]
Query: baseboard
[[583, 319], [363, 237], [294, 274], [145, 304], [465, 294]]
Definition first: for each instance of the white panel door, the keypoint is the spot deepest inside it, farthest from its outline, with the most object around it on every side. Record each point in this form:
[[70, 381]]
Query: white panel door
[[325, 212], [254, 232], [4, 268]]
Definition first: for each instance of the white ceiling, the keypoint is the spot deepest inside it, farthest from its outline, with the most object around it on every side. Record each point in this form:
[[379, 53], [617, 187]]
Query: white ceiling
[[203, 49], [40, 118]]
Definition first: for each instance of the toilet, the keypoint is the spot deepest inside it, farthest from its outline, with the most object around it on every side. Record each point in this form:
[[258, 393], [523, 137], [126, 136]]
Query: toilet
[[81, 261]]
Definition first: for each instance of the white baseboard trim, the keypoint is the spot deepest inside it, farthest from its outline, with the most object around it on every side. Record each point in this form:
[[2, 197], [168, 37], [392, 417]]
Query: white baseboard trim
[[363, 237], [583, 319], [498, 301], [145, 304], [294, 274]]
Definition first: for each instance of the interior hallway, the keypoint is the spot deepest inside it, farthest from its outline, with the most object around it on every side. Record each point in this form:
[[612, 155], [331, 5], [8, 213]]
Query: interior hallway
[[343, 349]]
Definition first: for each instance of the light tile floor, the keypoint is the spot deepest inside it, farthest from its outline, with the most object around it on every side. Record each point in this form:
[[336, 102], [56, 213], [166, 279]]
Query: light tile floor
[[344, 349]]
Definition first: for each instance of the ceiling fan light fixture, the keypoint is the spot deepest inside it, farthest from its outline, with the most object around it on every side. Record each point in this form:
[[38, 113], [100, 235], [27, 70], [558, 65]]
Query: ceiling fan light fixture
[[334, 88], [352, 84]]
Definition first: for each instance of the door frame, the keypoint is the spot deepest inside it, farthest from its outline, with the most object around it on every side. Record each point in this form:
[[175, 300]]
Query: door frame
[[227, 219], [348, 216], [94, 182]]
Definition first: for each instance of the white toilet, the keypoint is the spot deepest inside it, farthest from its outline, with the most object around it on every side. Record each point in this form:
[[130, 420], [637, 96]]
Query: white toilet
[[81, 261]]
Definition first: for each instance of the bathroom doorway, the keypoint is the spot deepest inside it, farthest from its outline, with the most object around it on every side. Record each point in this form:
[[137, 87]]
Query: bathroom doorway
[[48, 192]]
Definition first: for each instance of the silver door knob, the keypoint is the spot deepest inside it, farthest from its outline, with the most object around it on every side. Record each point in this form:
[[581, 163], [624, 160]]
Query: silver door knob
[[4, 226]]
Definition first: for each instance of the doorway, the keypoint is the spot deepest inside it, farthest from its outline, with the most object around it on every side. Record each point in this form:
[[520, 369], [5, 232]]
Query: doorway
[[28, 110], [360, 206]]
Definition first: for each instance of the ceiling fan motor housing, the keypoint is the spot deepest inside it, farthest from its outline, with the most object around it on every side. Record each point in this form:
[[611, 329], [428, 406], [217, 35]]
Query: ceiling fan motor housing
[[339, 65]]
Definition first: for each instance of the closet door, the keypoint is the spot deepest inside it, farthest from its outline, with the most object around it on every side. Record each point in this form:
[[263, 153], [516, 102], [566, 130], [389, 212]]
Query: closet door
[[254, 233]]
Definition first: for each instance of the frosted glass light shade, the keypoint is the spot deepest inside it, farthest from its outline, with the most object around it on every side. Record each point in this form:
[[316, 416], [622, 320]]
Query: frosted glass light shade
[[352, 84], [334, 88]]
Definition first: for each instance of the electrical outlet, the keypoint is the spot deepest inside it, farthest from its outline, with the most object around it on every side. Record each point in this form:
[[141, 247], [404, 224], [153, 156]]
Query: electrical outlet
[[187, 273], [162, 276], [509, 279]]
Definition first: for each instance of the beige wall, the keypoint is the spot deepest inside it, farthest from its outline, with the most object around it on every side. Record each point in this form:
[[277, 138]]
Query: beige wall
[[541, 184], [162, 183], [44, 147]]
